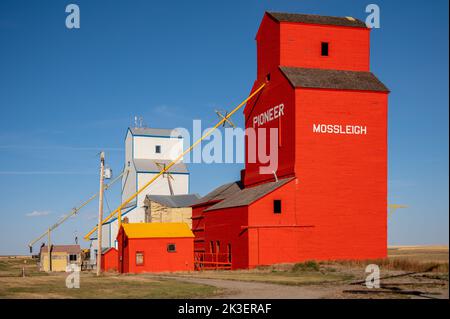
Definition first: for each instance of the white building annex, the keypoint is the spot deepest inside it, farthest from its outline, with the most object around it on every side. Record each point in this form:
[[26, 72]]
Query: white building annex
[[147, 150]]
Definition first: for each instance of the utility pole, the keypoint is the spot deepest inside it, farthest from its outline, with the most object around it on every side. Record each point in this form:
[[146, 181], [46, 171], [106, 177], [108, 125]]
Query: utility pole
[[49, 244], [100, 213]]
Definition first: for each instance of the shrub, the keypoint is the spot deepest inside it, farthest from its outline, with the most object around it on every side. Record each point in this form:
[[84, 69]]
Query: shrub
[[310, 265]]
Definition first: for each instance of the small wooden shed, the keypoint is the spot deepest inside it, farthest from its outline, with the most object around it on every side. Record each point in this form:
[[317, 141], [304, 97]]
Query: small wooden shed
[[110, 259], [155, 247], [61, 257]]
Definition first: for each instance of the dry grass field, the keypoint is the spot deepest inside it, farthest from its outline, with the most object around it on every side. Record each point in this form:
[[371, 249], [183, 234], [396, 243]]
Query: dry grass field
[[38, 284], [408, 272]]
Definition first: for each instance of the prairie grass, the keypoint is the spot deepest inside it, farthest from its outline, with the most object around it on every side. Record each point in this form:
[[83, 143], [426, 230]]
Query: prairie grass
[[403, 264]]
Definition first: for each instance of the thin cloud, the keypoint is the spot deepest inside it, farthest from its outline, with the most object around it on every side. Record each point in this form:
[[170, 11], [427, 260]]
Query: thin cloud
[[46, 173], [37, 213], [61, 148], [168, 111], [91, 216]]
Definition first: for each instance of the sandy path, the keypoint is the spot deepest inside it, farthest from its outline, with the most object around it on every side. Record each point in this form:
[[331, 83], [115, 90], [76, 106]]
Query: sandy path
[[235, 289]]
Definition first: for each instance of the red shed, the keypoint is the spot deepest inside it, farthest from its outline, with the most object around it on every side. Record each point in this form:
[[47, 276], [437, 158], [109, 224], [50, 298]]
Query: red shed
[[155, 247], [328, 196], [110, 259]]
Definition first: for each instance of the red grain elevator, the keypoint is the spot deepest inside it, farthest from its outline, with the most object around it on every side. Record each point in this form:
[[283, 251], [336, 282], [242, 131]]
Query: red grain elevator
[[328, 197]]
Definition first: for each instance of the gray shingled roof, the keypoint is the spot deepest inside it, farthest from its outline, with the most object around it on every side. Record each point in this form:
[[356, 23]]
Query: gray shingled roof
[[333, 79], [174, 200], [317, 19], [248, 195], [145, 165], [70, 249], [105, 250], [220, 192], [147, 131]]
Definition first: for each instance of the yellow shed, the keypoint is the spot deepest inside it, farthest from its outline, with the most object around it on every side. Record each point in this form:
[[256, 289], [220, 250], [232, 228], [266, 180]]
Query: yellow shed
[[61, 257]]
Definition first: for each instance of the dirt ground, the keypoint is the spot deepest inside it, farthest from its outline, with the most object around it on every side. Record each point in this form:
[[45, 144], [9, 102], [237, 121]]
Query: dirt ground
[[409, 272]]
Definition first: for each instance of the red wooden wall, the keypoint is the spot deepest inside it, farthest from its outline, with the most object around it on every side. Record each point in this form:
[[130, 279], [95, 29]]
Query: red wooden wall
[[343, 178], [110, 260], [156, 256]]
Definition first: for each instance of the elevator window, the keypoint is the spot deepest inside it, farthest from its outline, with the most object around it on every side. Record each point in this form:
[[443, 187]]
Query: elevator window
[[324, 48], [277, 206]]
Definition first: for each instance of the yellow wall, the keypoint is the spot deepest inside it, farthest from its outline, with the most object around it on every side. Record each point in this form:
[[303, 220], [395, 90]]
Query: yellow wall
[[59, 261], [163, 214]]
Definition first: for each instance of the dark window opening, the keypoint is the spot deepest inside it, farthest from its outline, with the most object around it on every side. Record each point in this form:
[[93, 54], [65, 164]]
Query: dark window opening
[[217, 247], [72, 257], [171, 248], [268, 77], [229, 253], [277, 206], [211, 247], [324, 48], [158, 149]]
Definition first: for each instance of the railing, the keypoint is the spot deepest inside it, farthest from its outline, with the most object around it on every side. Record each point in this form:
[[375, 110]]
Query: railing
[[212, 261]]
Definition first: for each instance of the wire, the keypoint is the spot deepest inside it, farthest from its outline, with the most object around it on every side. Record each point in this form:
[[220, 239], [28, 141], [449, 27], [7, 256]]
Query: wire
[[107, 204]]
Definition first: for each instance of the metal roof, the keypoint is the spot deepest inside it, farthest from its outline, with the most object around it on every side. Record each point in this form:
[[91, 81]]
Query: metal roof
[[220, 193], [70, 249], [146, 165], [317, 19], [105, 250], [333, 79], [147, 131], [248, 195], [174, 201], [157, 230]]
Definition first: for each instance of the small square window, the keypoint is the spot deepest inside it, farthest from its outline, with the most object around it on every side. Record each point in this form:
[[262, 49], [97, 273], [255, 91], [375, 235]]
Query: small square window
[[72, 257], [171, 248], [139, 258], [324, 49], [277, 206], [158, 149]]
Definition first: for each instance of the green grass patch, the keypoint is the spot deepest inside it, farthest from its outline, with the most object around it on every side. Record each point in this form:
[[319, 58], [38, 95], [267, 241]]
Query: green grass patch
[[310, 265]]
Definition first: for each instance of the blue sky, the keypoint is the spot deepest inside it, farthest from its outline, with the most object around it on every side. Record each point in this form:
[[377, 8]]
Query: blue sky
[[67, 94]]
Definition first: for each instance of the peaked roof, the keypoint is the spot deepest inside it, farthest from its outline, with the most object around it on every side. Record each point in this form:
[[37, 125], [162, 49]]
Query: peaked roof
[[333, 79], [220, 193], [157, 230], [70, 249], [148, 165], [248, 195], [147, 131], [317, 19], [174, 200], [105, 250]]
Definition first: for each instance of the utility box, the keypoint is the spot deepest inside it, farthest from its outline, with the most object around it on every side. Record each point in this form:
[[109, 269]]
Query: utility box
[[108, 173]]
